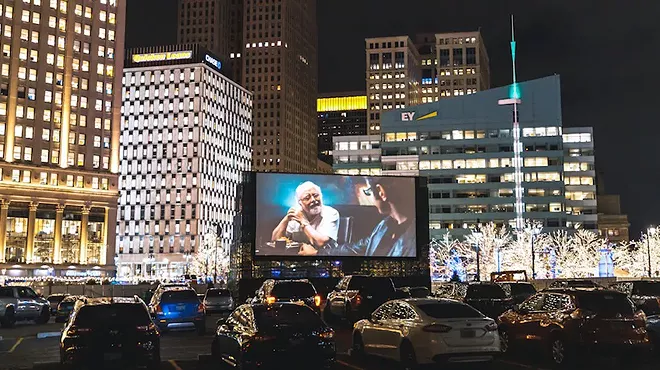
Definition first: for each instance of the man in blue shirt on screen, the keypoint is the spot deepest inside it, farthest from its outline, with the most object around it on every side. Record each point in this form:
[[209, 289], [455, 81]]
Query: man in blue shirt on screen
[[312, 223], [395, 235]]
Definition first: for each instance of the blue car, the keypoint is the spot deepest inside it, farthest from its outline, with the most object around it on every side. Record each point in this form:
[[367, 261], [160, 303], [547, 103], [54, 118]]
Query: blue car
[[175, 308]]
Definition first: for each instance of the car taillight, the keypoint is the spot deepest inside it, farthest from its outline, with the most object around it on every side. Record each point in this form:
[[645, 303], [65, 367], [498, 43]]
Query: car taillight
[[491, 326], [271, 300], [75, 331], [640, 319], [200, 308], [437, 328], [357, 300], [158, 309], [317, 300], [329, 334]]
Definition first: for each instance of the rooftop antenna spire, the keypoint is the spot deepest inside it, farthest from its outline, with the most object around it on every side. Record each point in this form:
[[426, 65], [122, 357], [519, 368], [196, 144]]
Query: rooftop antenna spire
[[514, 93]]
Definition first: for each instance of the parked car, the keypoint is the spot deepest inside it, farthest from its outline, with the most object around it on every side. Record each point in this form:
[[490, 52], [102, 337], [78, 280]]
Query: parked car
[[218, 300], [118, 331], [574, 283], [65, 307], [413, 292], [277, 335], [301, 290], [418, 331], [355, 297], [487, 297], [178, 308], [518, 290], [54, 300], [644, 293], [21, 303], [565, 323]]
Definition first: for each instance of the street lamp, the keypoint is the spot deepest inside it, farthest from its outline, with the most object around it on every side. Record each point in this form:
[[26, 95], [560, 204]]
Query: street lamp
[[649, 232], [535, 231]]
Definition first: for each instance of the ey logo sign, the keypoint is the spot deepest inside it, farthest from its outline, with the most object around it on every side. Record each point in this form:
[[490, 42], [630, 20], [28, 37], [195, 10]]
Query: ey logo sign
[[410, 116]]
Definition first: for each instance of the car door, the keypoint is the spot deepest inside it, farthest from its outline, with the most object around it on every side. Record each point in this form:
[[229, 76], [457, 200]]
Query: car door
[[374, 333], [28, 307]]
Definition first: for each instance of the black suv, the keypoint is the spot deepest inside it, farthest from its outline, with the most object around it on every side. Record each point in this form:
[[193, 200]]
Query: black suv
[[355, 297], [118, 331], [644, 293], [518, 290], [301, 290], [489, 298]]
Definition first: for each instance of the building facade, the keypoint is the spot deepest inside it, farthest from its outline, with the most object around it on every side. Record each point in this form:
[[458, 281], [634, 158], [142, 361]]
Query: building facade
[[280, 68], [206, 23], [462, 64], [612, 224], [464, 145], [61, 65], [185, 142], [339, 115]]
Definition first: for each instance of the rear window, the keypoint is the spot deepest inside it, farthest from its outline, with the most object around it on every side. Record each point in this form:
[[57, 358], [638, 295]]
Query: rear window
[[67, 304], [485, 291], [218, 293], [119, 314], [646, 288], [179, 295], [289, 316], [606, 303], [293, 290], [522, 289], [371, 284], [449, 310]]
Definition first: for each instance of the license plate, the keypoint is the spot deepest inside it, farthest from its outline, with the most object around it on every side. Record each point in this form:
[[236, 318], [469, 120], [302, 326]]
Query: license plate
[[112, 356], [468, 333], [181, 307]]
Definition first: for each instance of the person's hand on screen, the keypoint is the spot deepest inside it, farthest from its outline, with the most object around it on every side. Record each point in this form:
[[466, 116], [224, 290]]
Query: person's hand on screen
[[307, 250], [297, 215]]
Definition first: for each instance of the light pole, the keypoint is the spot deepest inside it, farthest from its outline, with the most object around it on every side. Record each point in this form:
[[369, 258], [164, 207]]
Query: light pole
[[535, 232], [218, 235], [649, 233], [477, 236]]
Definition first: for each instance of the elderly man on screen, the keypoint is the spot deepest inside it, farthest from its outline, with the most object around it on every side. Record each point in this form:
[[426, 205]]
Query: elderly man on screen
[[311, 223]]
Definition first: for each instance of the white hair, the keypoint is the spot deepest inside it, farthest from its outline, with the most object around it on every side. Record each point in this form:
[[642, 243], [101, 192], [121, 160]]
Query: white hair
[[306, 186]]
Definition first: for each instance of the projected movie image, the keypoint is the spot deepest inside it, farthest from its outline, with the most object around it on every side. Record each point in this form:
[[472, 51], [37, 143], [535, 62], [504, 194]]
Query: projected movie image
[[332, 215]]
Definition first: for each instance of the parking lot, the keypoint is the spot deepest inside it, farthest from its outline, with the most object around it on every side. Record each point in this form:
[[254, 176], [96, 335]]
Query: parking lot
[[20, 348]]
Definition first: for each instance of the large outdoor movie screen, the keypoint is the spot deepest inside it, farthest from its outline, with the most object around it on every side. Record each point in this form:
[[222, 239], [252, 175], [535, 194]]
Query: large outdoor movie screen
[[333, 215]]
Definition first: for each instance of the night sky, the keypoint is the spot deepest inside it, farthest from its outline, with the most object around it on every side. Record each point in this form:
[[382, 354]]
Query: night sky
[[606, 51]]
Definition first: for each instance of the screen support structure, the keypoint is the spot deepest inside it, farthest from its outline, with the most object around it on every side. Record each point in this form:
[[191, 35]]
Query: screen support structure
[[514, 100]]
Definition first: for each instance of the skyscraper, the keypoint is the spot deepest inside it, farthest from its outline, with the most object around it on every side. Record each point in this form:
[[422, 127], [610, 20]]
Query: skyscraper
[[61, 67], [185, 143], [206, 23], [340, 115], [280, 68]]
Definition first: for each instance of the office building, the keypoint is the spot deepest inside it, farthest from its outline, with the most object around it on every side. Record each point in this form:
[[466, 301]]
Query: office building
[[60, 72], [464, 145], [612, 224], [339, 115], [185, 142], [402, 73], [236, 39], [280, 68], [392, 78], [206, 23]]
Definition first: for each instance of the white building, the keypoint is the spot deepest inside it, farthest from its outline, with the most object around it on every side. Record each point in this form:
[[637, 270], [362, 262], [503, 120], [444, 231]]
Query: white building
[[185, 141]]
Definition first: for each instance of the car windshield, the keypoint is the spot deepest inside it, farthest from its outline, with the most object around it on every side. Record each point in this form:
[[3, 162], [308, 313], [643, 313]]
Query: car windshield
[[118, 313], [606, 303], [646, 288], [449, 310], [293, 290], [218, 293], [481, 291], [290, 316], [179, 296]]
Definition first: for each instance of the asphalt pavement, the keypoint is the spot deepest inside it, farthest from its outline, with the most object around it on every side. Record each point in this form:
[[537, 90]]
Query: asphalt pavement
[[21, 348]]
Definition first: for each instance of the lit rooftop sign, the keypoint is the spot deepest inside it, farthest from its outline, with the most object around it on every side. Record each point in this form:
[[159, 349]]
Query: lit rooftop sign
[[341, 103], [161, 57], [212, 61]]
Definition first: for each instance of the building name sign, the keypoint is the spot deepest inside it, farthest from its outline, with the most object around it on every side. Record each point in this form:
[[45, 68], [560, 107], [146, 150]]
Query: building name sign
[[212, 61], [407, 116], [161, 57]]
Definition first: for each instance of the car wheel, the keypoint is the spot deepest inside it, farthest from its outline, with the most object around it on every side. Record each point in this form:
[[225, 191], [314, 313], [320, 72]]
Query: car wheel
[[505, 342], [407, 357], [44, 317], [9, 319], [357, 349], [558, 351]]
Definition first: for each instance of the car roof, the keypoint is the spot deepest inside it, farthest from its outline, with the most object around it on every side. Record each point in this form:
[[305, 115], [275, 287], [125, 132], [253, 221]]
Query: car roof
[[292, 281], [112, 300], [177, 289], [418, 301], [581, 290]]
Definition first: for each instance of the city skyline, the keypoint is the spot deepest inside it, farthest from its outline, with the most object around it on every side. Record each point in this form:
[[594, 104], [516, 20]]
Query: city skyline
[[592, 85]]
